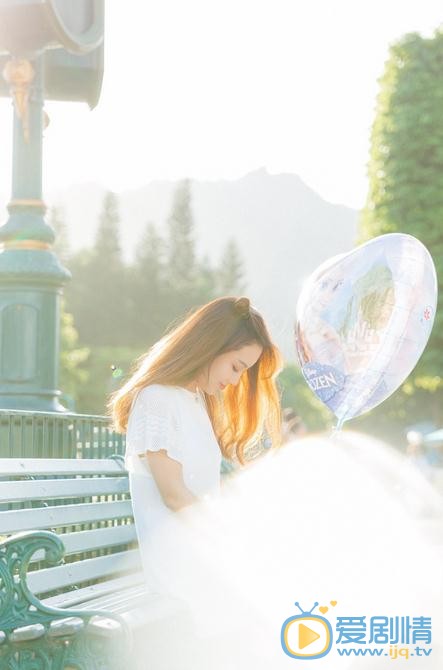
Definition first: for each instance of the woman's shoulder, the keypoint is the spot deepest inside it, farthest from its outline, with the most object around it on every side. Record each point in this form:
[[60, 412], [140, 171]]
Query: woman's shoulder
[[156, 392], [160, 395], [155, 399], [157, 389]]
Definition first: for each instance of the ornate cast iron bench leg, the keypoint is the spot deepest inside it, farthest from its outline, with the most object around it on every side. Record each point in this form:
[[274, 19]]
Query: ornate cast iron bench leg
[[35, 636]]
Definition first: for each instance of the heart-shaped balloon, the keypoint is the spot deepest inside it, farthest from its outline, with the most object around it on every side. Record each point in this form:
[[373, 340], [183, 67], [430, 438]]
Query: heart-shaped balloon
[[363, 321]]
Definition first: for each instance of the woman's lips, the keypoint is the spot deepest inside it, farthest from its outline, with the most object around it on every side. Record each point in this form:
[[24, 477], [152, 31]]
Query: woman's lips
[[222, 386]]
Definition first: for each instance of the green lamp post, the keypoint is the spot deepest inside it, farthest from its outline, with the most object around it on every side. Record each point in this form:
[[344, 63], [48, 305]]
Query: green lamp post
[[54, 49]]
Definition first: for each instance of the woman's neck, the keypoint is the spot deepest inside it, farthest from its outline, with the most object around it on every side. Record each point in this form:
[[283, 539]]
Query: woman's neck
[[192, 386]]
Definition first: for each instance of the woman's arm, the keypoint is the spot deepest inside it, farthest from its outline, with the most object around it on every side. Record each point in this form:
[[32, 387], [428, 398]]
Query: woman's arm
[[168, 475]]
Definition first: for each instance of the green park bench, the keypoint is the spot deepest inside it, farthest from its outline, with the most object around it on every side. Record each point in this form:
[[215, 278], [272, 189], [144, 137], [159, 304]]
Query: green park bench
[[71, 584]]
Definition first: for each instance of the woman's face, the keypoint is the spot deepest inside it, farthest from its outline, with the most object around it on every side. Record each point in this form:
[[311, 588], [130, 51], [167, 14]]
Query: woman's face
[[227, 368]]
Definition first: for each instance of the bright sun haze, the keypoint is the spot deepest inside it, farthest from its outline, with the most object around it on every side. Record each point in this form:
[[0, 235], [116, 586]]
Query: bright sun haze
[[215, 90]]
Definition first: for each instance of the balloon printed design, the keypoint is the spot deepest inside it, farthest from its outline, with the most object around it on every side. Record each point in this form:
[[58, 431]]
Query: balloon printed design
[[363, 321]]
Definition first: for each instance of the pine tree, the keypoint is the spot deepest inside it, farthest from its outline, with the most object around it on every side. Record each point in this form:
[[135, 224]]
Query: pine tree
[[182, 286], [181, 244], [150, 253], [99, 296], [147, 288], [107, 248], [206, 285], [230, 274]]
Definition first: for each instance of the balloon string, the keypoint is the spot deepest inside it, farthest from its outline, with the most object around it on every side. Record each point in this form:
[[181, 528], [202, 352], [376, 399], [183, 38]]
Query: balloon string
[[337, 428]]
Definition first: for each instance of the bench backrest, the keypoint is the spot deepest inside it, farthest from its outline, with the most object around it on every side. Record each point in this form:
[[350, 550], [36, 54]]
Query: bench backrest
[[86, 502]]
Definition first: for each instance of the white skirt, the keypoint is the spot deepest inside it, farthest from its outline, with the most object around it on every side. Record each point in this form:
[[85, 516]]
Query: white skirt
[[317, 521]]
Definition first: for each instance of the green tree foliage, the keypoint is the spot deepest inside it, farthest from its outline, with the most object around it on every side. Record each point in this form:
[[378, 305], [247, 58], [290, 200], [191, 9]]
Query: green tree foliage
[[98, 295], [107, 248], [206, 282], [107, 368], [73, 374], [181, 243], [121, 309], [182, 271], [78, 291], [406, 179], [146, 289], [188, 281], [230, 273]]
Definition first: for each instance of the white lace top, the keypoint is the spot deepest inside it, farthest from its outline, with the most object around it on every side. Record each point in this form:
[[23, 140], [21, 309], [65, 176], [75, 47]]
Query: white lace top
[[175, 419]]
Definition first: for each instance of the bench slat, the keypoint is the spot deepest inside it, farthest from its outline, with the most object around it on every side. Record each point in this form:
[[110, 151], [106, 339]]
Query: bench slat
[[135, 604], [13, 467], [61, 488], [83, 596], [117, 600], [94, 538], [63, 515], [121, 586], [153, 608], [61, 576]]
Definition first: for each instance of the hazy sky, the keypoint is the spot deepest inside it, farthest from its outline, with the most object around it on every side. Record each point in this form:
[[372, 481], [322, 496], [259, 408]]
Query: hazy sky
[[216, 88]]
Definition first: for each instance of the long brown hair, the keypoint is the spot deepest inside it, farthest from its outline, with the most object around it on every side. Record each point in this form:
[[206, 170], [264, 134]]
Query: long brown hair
[[241, 413]]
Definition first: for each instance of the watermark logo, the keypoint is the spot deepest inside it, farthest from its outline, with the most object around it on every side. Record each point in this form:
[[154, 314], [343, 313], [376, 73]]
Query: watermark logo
[[306, 635], [309, 636]]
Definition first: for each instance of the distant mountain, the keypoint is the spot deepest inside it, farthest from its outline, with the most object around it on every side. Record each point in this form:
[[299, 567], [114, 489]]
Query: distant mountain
[[284, 230]]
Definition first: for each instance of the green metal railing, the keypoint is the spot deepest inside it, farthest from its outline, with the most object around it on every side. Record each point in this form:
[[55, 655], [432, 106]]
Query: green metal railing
[[30, 434], [53, 435]]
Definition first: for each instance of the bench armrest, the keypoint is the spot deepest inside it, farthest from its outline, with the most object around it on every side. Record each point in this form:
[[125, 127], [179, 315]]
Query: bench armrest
[[18, 605]]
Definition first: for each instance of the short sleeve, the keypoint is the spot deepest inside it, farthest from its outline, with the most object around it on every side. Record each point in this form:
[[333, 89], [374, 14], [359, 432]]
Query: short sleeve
[[154, 423]]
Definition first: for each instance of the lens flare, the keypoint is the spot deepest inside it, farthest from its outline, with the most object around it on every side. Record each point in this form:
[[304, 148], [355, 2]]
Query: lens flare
[[343, 520]]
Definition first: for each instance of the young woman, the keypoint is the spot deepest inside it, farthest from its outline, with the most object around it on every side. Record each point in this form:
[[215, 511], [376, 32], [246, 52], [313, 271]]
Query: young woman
[[205, 391]]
